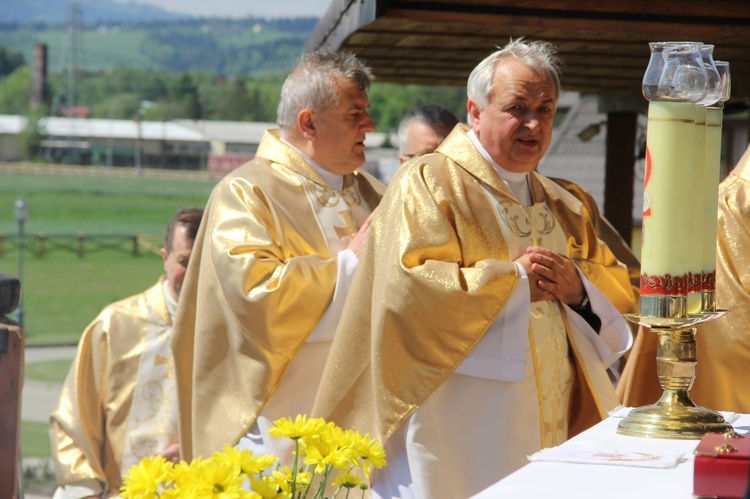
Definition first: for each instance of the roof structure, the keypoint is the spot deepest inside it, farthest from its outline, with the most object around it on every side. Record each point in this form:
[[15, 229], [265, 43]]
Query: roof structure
[[604, 45], [238, 132], [119, 129]]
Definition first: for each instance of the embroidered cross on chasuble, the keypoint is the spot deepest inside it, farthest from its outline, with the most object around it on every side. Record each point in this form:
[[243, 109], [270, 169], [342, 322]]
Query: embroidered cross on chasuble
[[338, 213]]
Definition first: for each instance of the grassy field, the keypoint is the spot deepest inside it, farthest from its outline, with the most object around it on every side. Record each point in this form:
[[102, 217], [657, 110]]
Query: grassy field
[[63, 292], [34, 439], [53, 371]]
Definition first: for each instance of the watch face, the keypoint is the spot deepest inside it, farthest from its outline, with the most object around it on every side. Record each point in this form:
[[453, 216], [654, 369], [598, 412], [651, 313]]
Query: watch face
[[584, 303]]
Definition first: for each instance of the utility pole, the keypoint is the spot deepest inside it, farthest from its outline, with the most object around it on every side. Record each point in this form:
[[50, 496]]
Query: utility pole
[[71, 61], [67, 99]]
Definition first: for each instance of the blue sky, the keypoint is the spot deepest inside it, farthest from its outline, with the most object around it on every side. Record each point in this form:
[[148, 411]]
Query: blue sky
[[243, 8]]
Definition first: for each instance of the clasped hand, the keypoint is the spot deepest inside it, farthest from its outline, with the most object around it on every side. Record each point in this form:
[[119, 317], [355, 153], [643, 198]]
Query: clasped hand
[[552, 276]]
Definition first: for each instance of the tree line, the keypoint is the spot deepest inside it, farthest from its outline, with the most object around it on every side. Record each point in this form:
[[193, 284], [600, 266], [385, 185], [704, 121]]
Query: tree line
[[161, 95]]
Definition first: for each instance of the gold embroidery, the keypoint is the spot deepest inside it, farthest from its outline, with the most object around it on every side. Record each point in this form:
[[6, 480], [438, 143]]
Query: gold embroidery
[[327, 197], [515, 218], [349, 227], [160, 360], [543, 221], [525, 220]]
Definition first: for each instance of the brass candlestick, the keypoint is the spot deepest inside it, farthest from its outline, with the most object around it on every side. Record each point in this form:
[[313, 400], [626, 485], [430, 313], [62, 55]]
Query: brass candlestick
[[675, 415]]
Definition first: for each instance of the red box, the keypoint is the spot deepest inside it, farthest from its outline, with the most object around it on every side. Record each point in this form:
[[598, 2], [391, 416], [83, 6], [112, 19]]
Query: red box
[[722, 466]]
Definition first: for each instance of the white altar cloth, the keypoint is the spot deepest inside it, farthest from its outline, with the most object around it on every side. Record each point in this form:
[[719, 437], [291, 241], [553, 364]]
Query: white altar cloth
[[544, 479]]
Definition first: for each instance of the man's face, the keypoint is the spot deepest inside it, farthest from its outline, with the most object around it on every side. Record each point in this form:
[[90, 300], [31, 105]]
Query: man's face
[[339, 131], [516, 125], [175, 263], [421, 139]]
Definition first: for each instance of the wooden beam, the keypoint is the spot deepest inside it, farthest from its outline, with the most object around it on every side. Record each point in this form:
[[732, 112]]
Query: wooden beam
[[657, 28], [11, 382], [620, 171]]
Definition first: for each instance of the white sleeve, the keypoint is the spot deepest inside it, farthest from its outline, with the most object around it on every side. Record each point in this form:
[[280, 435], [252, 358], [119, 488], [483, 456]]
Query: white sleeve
[[614, 337], [501, 354], [326, 328]]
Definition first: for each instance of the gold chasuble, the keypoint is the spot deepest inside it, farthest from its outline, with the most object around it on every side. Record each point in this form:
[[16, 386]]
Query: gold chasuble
[[262, 275], [435, 276], [723, 344], [118, 403]]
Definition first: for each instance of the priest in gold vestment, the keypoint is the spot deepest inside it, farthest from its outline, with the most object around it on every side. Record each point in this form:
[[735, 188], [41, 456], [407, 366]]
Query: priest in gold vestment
[[723, 344], [118, 403], [484, 313], [274, 258]]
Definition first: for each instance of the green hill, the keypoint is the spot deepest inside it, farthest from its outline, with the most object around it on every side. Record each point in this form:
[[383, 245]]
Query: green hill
[[249, 47]]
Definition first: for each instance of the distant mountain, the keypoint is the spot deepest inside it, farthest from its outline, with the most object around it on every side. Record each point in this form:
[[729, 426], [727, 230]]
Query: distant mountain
[[92, 12]]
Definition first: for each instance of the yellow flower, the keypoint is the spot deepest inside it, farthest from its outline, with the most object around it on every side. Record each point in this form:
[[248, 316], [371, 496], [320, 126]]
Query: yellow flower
[[331, 447], [185, 475], [268, 488], [285, 477], [226, 474], [220, 480], [347, 480], [370, 452], [144, 480], [299, 428], [245, 460]]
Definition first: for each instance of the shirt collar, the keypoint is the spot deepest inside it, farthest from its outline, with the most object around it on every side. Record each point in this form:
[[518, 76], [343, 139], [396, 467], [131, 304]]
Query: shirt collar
[[171, 302], [334, 180], [518, 182]]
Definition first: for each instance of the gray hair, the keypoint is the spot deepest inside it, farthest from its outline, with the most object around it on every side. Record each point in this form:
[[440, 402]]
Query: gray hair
[[435, 116], [539, 55], [311, 84]]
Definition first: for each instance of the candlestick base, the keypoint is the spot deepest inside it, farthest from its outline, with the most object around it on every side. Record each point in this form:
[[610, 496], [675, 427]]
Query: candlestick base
[[674, 416]]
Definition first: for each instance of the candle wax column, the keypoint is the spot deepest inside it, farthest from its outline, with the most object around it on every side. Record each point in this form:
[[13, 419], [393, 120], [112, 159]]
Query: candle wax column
[[712, 174], [666, 191], [696, 207]]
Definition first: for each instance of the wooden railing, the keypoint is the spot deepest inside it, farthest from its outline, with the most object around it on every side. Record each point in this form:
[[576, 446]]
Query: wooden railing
[[80, 244]]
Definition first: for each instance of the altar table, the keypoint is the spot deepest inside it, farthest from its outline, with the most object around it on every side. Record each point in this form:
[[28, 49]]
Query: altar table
[[545, 480]]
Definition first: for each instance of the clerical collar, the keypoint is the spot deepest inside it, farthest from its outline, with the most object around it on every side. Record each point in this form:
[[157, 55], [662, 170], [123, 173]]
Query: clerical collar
[[517, 182], [334, 180], [171, 302]]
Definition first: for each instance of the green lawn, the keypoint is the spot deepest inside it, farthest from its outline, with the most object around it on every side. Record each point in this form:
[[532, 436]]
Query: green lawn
[[53, 371], [103, 205], [34, 439], [62, 292]]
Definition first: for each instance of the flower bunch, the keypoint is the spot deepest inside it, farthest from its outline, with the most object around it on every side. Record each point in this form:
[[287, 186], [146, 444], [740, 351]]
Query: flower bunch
[[325, 457]]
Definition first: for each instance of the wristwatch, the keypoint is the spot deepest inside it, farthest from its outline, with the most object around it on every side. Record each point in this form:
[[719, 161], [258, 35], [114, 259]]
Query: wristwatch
[[584, 304]]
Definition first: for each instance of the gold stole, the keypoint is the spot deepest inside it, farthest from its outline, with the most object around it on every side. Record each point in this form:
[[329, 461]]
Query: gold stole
[[549, 351], [153, 414]]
